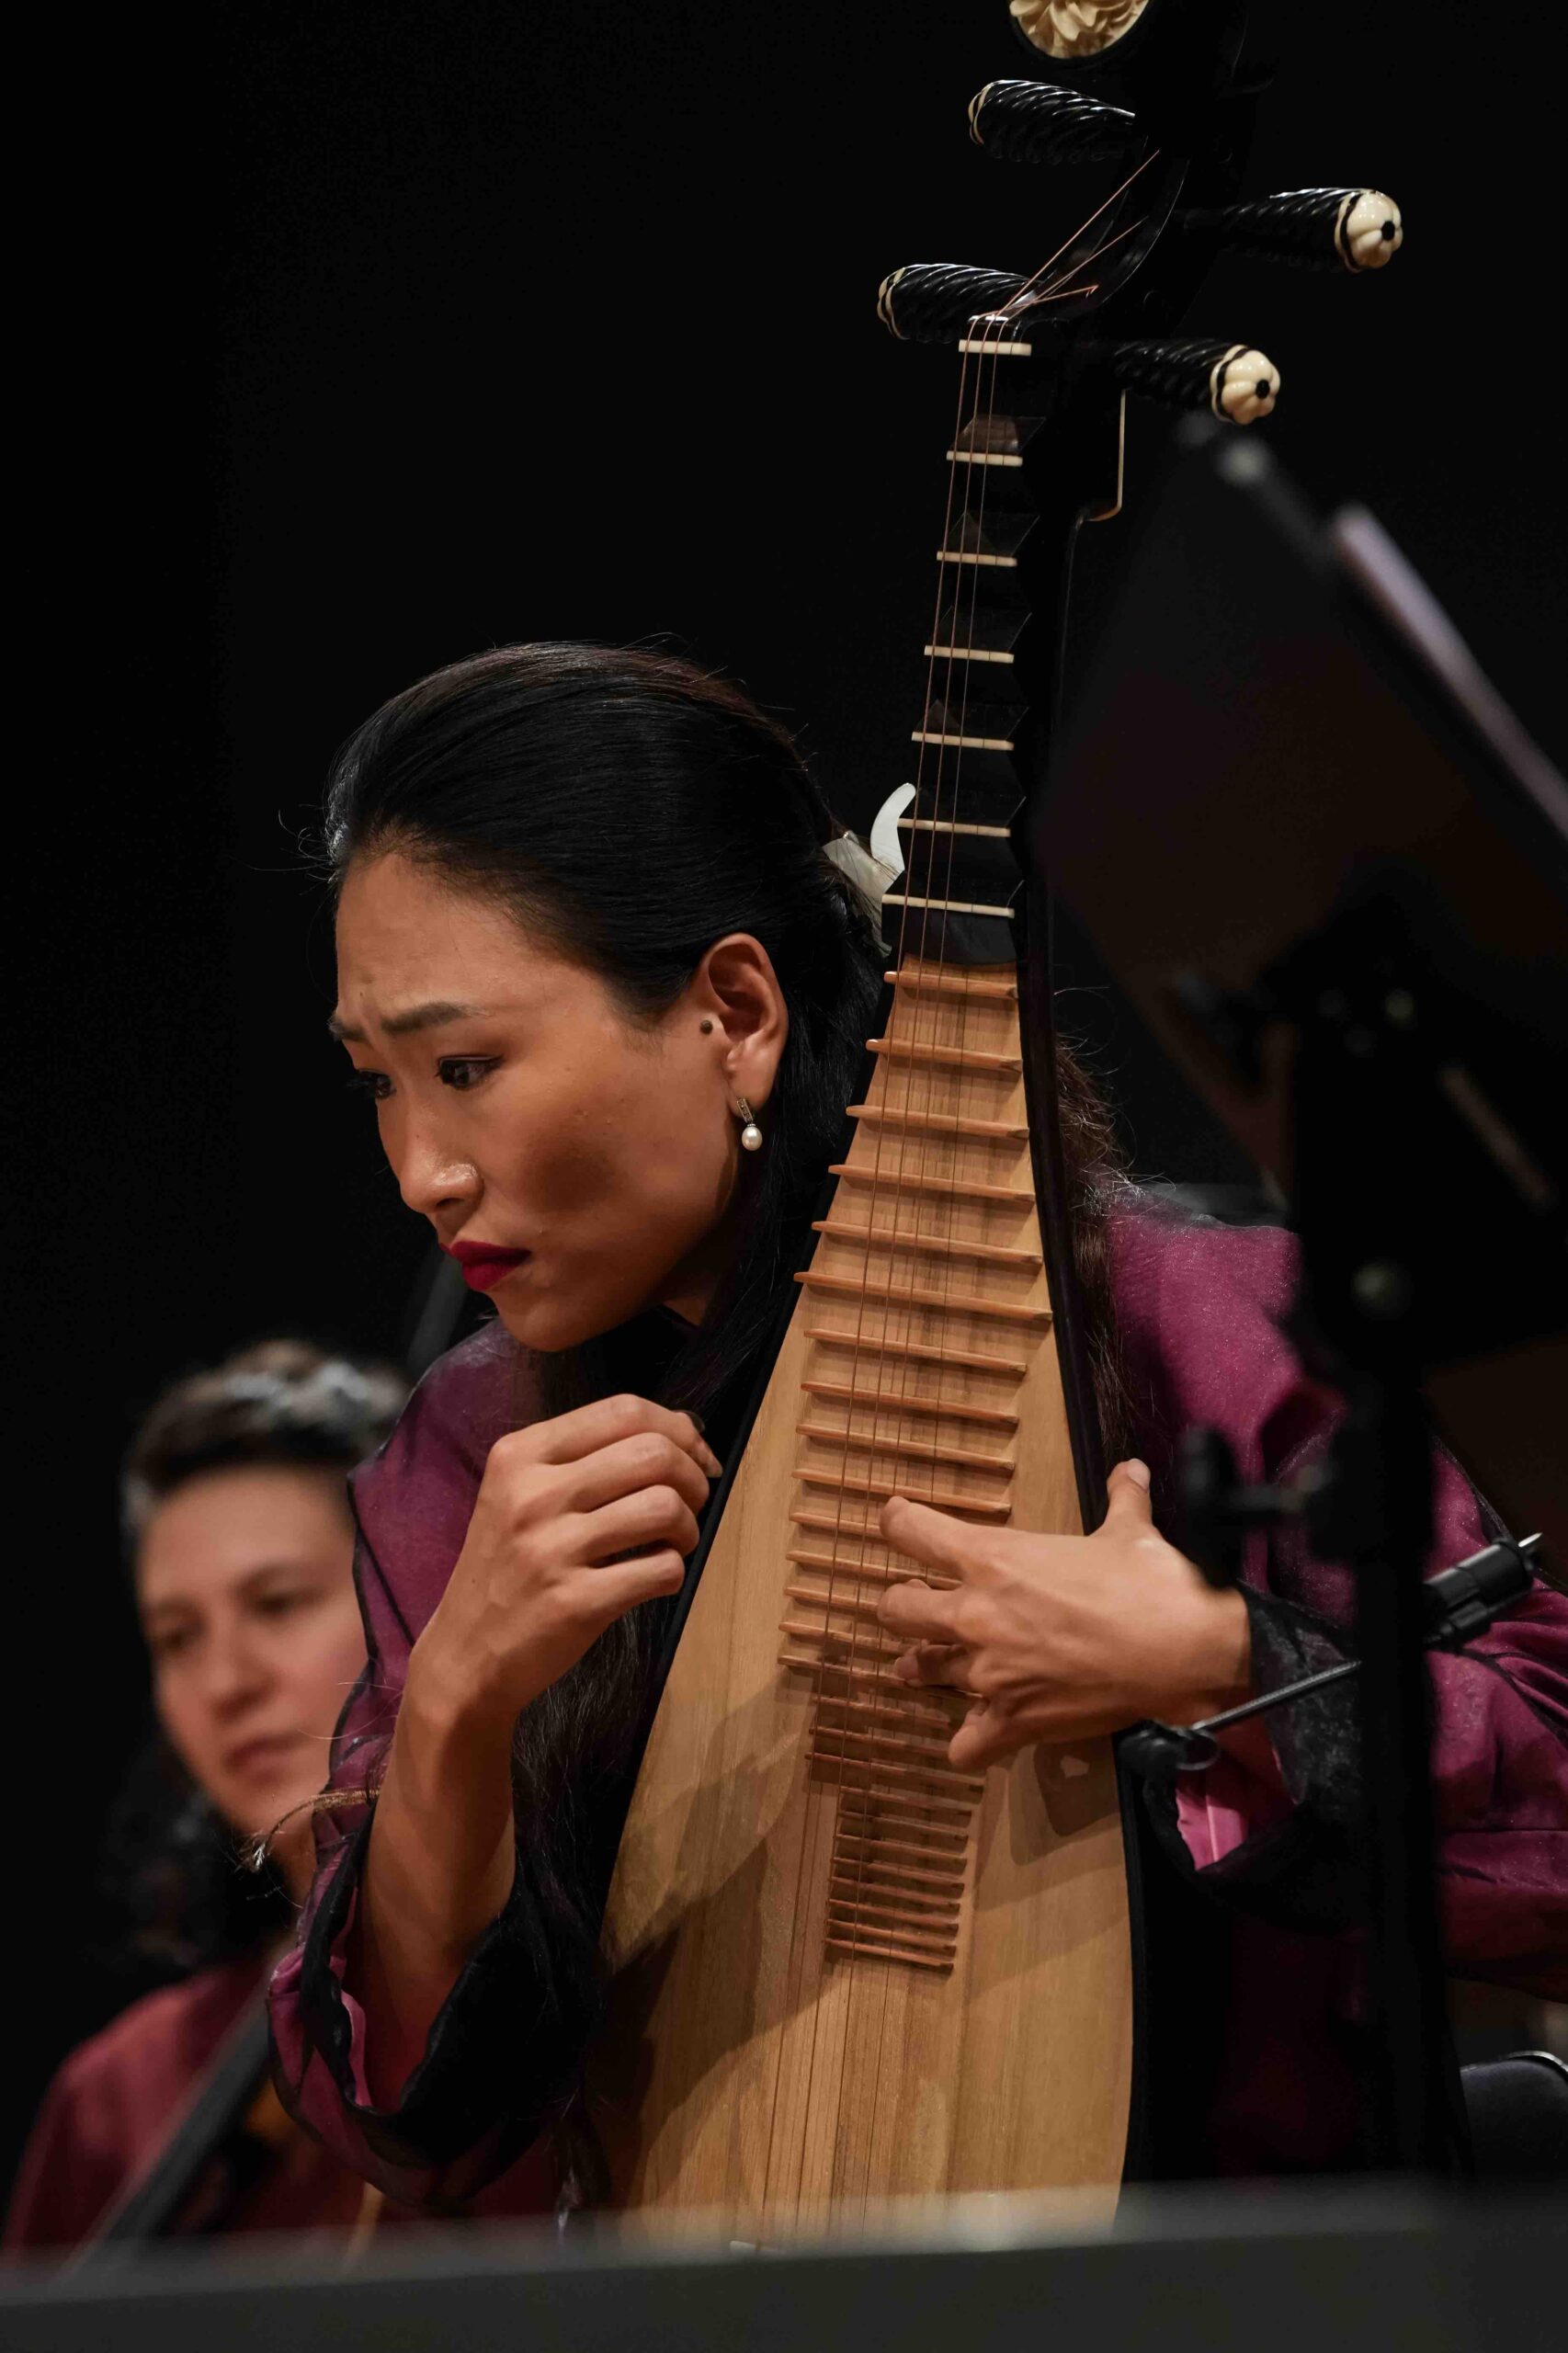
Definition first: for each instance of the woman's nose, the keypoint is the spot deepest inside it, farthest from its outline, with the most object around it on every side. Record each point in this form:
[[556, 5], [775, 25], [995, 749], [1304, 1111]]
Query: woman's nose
[[432, 1177], [234, 1673]]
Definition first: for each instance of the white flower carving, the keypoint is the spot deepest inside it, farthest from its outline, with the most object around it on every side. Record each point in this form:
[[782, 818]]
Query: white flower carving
[[1075, 28], [872, 872], [1243, 387], [1370, 231]]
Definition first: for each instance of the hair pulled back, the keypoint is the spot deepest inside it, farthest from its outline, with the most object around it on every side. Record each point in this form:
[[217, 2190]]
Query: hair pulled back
[[629, 809], [632, 808]]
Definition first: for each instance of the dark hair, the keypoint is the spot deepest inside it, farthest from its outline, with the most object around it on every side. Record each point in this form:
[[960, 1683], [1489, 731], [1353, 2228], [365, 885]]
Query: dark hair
[[170, 1871], [283, 1402], [635, 808]]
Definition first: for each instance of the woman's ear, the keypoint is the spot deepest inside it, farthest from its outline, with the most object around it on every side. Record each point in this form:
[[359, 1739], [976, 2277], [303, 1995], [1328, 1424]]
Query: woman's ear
[[736, 988]]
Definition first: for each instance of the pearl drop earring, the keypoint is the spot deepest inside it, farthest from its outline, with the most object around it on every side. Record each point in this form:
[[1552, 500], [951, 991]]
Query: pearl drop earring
[[751, 1134]]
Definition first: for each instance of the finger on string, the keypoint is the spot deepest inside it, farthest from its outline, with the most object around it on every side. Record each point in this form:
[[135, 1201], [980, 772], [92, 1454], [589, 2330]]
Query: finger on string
[[944, 1664], [897, 1142], [1128, 1507], [587, 1428], [933, 1538], [985, 1736], [913, 1607]]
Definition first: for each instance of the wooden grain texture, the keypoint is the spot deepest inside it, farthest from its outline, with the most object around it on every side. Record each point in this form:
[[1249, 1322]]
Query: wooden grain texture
[[841, 1972]]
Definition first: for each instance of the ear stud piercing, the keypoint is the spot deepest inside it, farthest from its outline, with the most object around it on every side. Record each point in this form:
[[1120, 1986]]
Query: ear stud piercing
[[751, 1134], [706, 1027]]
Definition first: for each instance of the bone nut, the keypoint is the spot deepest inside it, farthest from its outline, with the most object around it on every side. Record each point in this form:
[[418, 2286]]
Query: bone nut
[[1075, 28]]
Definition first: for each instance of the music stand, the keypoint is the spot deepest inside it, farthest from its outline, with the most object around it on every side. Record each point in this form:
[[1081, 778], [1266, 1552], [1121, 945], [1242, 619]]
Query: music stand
[[1329, 871]]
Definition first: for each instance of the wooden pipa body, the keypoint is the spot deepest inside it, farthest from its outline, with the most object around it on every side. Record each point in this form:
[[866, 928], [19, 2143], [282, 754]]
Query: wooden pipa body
[[842, 1972]]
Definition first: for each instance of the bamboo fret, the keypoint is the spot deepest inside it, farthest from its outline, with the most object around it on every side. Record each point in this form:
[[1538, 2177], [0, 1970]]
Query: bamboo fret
[[941, 1246], [834, 1740], [964, 1058], [935, 1914], [924, 1447], [933, 1805], [862, 1563], [888, 1649], [970, 1303], [869, 1860], [917, 1352], [932, 1123], [852, 1920], [895, 1845], [836, 1566], [849, 1483], [866, 1950], [944, 981], [814, 1665], [892, 1401], [945, 1188], [858, 1609], [830, 1522], [886, 1712], [906, 1710]]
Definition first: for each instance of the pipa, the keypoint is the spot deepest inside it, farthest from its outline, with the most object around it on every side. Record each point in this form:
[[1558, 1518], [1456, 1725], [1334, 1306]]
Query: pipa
[[843, 1971]]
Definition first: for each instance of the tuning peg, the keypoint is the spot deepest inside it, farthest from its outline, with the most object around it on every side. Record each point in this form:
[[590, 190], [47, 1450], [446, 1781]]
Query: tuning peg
[[1038, 122], [1236, 383], [933, 301], [1323, 228]]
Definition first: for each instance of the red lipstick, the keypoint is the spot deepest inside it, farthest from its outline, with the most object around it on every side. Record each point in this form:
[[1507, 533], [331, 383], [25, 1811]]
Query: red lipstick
[[483, 1264]]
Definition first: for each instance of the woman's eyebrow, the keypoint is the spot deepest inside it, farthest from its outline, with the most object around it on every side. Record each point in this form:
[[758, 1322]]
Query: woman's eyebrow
[[172, 1605], [254, 1579], [398, 1025]]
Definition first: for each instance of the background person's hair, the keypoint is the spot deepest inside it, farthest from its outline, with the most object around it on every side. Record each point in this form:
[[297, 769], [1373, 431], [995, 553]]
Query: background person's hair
[[286, 1402], [175, 1887], [631, 808]]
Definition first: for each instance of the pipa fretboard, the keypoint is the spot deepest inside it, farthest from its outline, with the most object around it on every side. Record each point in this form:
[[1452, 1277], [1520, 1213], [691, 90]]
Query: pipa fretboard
[[927, 1296]]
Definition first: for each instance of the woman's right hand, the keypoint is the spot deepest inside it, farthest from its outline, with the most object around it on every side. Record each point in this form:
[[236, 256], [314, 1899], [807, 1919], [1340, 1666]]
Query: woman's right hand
[[576, 1521]]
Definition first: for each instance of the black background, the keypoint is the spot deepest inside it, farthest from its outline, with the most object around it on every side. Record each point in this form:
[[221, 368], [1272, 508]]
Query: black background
[[364, 333]]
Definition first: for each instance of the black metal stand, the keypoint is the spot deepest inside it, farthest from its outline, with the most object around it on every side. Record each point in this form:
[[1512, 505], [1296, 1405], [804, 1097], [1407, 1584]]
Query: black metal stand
[[1374, 1293], [1377, 1494], [1416, 2124], [1389, 1445], [1378, 1490], [1375, 1260], [1358, 957]]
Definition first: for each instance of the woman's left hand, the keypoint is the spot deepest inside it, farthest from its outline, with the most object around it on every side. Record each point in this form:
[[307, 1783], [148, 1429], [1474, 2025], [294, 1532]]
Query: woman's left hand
[[1061, 1637]]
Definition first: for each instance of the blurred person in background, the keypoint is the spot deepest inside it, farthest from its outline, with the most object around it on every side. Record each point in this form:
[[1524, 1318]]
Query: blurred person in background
[[241, 1545]]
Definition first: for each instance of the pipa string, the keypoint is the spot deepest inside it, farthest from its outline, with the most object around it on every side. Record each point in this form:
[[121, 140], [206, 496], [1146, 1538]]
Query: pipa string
[[807, 1868], [932, 1211]]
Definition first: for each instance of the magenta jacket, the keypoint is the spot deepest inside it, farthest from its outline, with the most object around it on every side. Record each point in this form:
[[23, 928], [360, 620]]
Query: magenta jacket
[[116, 2103], [1254, 1950]]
